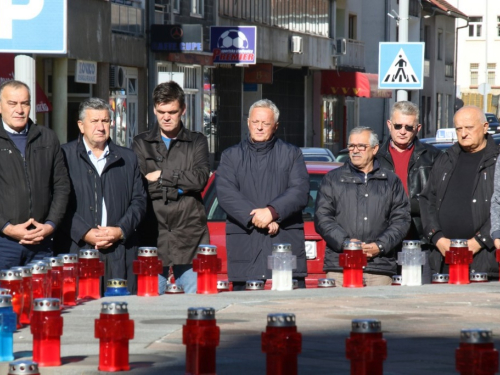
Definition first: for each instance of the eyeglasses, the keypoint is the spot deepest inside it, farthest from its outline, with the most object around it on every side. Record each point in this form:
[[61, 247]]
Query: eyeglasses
[[360, 147], [408, 128]]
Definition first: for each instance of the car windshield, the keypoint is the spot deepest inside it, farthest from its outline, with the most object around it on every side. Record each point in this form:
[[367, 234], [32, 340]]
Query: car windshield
[[216, 213], [491, 117]]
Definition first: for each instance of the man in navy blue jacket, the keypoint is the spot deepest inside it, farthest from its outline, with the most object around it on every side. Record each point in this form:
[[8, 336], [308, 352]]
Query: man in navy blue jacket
[[108, 199]]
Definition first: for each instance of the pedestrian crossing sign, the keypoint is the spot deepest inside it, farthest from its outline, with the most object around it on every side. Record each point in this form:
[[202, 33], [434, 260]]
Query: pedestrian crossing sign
[[401, 66]]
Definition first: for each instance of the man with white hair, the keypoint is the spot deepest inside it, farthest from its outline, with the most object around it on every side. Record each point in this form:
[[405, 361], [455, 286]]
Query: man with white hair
[[362, 202]]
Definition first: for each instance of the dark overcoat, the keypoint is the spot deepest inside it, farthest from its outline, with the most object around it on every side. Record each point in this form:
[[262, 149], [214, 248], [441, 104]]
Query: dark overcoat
[[257, 175]]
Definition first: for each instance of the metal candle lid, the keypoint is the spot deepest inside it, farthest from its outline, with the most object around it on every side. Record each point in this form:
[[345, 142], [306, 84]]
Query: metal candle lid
[[25, 270], [440, 278], [146, 251], [23, 368], [281, 320], [10, 275], [222, 285], [352, 245], [282, 248], [4, 292], [43, 263], [458, 243], [54, 261], [411, 244], [476, 336], [207, 250], [46, 304], [326, 283], [295, 283], [69, 258], [5, 301], [201, 313], [478, 277], [174, 289], [397, 280], [114, 308], [254, 285], [39, 268], [117, 283], [89, 254], [366, 326]]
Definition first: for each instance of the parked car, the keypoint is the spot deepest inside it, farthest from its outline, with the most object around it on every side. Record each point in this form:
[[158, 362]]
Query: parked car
[[317, 154], [494, 125], [315, 245]]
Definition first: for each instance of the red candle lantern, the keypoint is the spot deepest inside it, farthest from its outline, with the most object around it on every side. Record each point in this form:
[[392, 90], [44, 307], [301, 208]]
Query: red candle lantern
[[56, 277], [206, 265], [114, 329], [476, 354], [201, 336], [26, 273], [365, 348], [352, 259], [147, 267], [23, 368], [11, 279], [282, 344], [39, 280], [70, 279], [47, 329], [47, 282], [174, 289], [459, 257], [90, 271]]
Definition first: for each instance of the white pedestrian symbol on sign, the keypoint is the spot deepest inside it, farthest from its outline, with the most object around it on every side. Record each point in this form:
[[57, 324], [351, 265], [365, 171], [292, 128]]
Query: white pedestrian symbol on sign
[[401, 70]]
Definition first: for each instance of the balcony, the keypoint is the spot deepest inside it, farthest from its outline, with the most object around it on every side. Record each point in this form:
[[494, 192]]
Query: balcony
[[127, 18], [355, 55]]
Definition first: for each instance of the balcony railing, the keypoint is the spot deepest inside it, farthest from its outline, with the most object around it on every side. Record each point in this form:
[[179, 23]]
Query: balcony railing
[[127, 19], [355, 55]]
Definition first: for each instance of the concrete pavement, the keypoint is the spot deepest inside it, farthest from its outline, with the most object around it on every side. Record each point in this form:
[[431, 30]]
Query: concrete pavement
[[421, 326]]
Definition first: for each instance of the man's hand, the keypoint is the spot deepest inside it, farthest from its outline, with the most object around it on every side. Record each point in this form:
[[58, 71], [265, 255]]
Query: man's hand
[[443, 245], [27, 236], [153, 176], [273, 228], [474, 246], [103, 237], [262, 217], [370, 249], [497, 243]]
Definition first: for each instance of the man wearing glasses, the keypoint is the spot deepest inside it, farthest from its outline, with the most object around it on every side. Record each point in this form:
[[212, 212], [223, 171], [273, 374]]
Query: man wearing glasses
[[360, 201], [455, 204], [411, 160]]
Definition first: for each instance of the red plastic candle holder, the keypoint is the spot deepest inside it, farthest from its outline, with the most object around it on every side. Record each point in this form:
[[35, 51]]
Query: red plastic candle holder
[[47, 329], [476, 354], [352, 259], [114, 329], [147, 267], [56, 276], [89, 274], [26, 273], [70, 279], [39, 280], [365, 348], [201, 336], [206, 265], [459, 257], [13, 280]]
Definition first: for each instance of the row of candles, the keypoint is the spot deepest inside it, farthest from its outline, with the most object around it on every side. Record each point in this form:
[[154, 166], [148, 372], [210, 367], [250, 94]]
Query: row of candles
[[365, 347]]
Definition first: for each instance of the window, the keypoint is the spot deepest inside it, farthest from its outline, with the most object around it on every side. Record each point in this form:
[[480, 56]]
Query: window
[[176, 6], [352, 26], [475, 27], [439, 109], [440, 45], [197, 8], [427, 42], [474, 68], [491, 73], [498, 25]]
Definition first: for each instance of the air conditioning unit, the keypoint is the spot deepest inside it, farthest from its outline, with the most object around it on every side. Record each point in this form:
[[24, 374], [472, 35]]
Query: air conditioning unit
[[296, 44], [339, 47], [117, 77]]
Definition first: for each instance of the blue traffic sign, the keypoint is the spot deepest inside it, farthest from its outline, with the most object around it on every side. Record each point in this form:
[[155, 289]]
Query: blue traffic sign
[[401, 66], [34, 26]]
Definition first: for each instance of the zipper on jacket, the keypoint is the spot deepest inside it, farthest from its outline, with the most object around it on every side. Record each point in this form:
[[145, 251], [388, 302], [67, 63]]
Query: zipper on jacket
[[28, 183], [444, 176]]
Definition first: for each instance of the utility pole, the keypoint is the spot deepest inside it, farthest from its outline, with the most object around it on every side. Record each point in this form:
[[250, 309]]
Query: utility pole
[[404, 10]]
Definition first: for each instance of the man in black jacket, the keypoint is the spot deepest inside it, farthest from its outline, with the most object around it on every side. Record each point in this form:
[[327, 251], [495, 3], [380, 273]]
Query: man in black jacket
[[362, 202], [412, 161], [455, 204], [108, 200], [262, 184], [34, 182]]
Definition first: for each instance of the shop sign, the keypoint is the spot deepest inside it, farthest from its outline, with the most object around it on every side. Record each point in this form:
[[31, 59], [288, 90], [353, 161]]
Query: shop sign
[[234, 44], [176, 38], [86, 72]]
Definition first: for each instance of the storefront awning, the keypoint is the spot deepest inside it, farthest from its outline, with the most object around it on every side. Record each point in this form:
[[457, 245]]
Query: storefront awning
[[7, 73], [358, 84]]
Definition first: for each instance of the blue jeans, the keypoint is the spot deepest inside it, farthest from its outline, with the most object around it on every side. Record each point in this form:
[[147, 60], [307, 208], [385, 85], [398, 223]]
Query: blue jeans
[[184, 276]]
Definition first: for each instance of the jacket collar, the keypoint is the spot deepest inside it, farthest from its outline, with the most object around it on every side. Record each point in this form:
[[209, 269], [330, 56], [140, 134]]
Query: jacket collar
[[114, 151], [491, 149], [154, 134], [33, 130]]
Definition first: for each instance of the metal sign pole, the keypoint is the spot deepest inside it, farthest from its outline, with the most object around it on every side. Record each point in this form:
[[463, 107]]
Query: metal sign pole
[[404, 6]]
